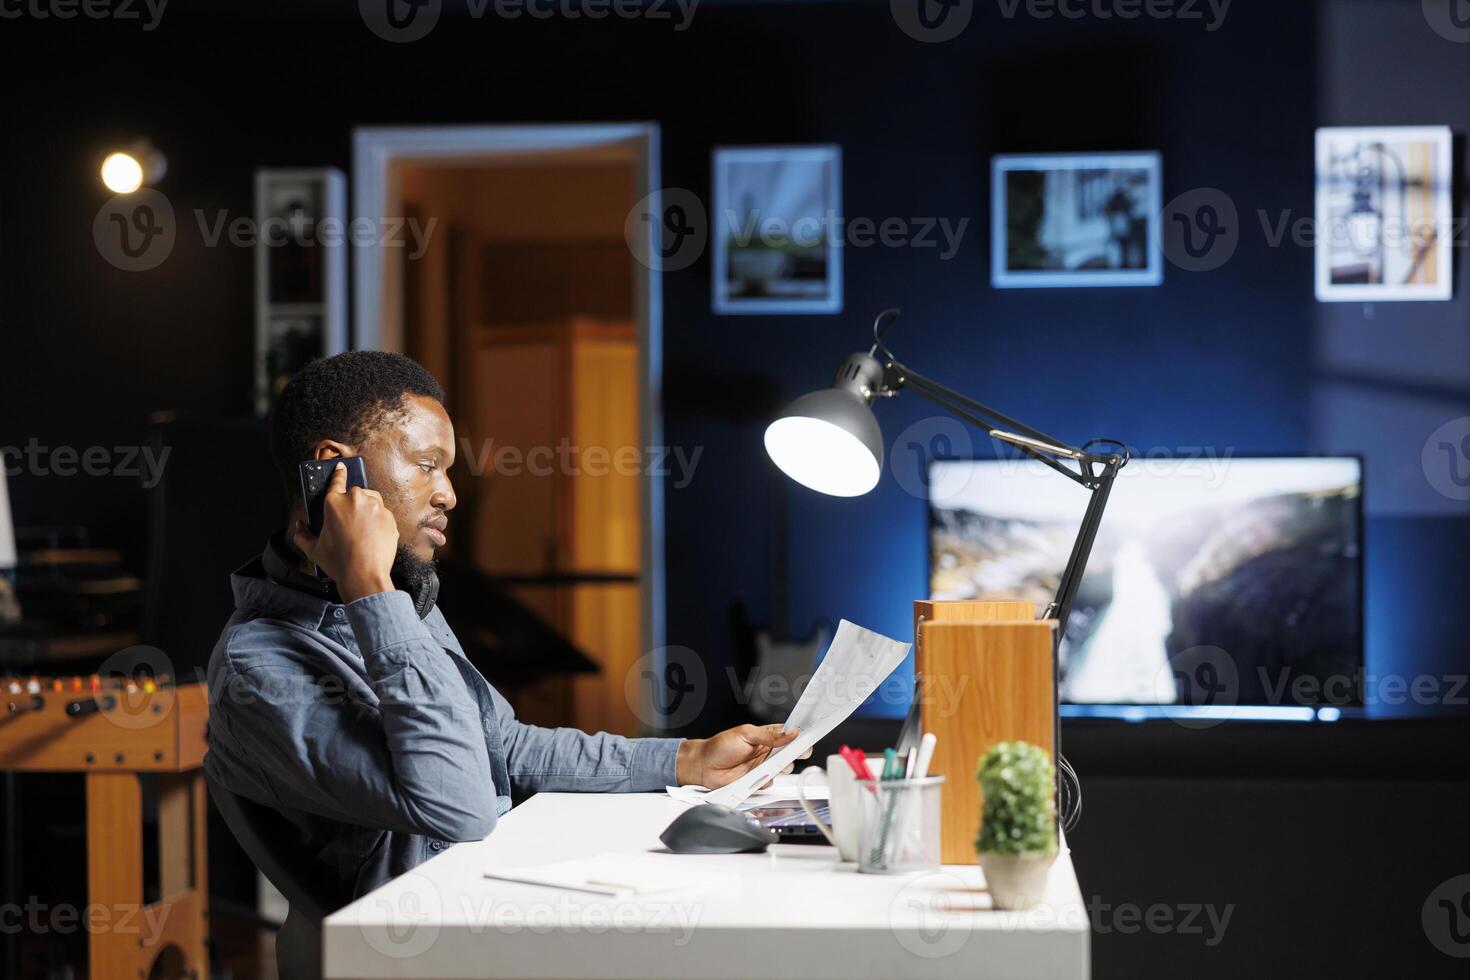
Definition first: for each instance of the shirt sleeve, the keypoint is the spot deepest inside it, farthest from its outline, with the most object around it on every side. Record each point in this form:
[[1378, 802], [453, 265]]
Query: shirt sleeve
[[415, 763], [568, 760]]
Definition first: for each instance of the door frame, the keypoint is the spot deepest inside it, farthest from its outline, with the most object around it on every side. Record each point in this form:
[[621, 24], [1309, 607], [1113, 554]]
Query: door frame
[[375, 152]]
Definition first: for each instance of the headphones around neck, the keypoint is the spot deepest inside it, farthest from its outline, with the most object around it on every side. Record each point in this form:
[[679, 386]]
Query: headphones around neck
[[281, 562]]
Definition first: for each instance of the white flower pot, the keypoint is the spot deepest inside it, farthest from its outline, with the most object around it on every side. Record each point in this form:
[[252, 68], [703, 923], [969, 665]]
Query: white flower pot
[[1016, 881]]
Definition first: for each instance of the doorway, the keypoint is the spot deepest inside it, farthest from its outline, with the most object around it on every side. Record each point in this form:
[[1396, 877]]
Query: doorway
[[527, 304]]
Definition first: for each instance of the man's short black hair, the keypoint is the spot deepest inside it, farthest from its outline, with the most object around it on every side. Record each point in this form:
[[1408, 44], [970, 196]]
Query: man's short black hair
[[342, 397]]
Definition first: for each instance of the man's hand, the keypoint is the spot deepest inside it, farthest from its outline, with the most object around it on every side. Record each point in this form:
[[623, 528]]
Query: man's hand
[[358, 543], [713, 762]]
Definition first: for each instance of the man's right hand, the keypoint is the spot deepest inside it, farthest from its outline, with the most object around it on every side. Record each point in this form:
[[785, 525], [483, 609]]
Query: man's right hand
[[358, 543]]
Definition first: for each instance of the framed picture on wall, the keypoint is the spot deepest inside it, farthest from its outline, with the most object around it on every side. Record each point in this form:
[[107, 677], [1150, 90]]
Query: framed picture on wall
[[1383, 213], [1082, 219], [777, 229]]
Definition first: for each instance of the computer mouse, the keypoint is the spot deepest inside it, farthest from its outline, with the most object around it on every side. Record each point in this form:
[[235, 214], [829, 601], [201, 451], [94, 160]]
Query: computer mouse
[[713, 829]]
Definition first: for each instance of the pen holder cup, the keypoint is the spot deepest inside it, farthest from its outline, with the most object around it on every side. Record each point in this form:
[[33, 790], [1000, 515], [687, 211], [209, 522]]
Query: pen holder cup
[[898, 825]]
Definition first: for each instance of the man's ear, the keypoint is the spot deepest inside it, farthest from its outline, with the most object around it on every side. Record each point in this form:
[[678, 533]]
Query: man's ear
[[331, 449]]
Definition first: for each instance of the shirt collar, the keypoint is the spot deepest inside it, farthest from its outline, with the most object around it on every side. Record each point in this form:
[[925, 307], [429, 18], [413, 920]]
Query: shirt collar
[[256, 592]]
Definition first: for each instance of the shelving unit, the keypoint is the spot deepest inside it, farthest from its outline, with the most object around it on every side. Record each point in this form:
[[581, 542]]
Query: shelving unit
[[300, 283]]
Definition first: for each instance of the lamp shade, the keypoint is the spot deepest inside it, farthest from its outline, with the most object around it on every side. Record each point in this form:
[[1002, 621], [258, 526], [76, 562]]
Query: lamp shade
[[828, 441]]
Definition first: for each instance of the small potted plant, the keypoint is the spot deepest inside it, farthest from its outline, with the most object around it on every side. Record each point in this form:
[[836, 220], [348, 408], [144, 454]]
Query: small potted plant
[[1018, 829]]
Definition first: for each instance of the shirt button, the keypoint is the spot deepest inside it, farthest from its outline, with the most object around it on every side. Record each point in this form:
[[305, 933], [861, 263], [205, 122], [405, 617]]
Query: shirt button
[[437, 845], [338, 614]]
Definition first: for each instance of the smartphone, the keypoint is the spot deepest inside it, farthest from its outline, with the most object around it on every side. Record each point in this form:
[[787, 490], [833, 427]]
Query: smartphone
[[316, 476]]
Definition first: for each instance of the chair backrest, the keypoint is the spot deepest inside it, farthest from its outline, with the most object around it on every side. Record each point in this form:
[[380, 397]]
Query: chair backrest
[[227, 463], [274, 844]]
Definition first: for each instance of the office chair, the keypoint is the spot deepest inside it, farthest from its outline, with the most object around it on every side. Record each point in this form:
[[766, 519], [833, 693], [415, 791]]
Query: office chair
[[226, 462], [273, 843]]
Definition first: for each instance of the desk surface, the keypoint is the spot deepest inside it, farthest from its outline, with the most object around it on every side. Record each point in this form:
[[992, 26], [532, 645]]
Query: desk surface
[[795, 911]]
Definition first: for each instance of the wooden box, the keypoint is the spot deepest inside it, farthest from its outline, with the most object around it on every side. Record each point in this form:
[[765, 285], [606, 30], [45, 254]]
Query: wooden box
[[985, 672]]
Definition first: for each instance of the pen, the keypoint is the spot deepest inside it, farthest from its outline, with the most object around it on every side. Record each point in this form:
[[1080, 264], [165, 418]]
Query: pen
[[856, 760], [908, 769], [926, 755], [891, 772]]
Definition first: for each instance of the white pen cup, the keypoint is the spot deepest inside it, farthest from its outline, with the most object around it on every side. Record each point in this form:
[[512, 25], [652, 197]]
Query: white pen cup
[[843, 805]]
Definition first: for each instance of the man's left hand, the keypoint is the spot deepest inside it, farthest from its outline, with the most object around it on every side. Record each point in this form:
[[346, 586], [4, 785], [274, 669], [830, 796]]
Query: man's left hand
[[724, 758]]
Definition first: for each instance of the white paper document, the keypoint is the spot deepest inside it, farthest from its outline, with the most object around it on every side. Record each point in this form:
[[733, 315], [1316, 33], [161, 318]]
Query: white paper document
[[856, 663], [615, 875]]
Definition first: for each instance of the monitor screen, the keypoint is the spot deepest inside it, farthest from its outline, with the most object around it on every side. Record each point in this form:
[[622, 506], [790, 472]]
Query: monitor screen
[[1233, 581], [7, 529]]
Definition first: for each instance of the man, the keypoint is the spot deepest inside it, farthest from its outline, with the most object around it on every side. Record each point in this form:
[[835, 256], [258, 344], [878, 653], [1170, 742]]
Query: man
[[344, 702]]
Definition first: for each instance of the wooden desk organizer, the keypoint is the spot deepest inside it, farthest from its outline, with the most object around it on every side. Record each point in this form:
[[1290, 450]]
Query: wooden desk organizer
[[986, 677]]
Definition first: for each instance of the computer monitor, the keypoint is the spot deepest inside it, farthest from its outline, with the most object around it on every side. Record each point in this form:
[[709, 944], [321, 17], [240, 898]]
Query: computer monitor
[[1229, 582]]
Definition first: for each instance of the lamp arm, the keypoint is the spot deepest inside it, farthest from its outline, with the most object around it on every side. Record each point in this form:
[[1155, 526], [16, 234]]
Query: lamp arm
[[1037, 445], [1094, 471], [989, 418], [1061, 606]]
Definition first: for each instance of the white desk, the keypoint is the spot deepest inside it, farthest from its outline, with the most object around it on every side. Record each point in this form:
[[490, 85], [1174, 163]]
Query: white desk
[[794, 911]]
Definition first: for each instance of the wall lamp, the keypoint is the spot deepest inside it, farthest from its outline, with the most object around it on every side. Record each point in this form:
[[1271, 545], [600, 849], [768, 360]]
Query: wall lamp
[[129, 168], [829, 440]]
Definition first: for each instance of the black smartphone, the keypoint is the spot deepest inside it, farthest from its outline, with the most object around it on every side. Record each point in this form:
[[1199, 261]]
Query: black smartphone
[[316, 476]]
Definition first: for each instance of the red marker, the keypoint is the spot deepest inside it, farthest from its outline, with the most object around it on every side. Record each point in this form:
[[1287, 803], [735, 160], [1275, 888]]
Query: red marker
[[857, 760]]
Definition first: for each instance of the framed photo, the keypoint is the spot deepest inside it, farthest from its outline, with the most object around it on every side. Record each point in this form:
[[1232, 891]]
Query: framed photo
[[777, 229], [1078, 219], [1383, 213]]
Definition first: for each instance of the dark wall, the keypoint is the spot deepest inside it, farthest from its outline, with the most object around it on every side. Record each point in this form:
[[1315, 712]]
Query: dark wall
[[1240, 359]]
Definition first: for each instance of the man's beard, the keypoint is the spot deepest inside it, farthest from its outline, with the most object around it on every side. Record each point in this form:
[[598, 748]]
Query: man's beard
[[410, 572]]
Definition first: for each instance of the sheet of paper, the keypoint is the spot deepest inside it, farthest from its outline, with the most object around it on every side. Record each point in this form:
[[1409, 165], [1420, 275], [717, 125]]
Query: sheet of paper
[[856, 663], [858, 659], [618, 874]]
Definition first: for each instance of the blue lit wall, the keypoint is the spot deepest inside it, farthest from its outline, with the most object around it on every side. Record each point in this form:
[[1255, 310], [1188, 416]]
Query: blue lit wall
[[1241, 359]]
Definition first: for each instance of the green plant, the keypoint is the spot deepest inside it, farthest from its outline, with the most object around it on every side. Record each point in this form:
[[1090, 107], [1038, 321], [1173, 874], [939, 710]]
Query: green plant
[[1019, 783]]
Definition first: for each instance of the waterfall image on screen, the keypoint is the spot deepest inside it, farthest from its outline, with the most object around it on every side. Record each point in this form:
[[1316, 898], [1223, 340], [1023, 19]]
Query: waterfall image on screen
[[1257, 557]]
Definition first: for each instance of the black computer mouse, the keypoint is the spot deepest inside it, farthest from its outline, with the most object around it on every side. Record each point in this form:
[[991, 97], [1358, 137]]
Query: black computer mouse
[[713, 829]]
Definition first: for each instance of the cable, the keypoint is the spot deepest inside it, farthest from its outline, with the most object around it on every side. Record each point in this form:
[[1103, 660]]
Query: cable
[[1071, 794], [881, 323], [1126, 453]]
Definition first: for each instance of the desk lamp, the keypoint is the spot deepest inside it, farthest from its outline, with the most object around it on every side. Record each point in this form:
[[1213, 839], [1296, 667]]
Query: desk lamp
[[829, 440]]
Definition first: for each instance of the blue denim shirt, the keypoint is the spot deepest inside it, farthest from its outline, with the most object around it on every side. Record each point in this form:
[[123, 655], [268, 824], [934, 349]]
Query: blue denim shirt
[[368, 728]]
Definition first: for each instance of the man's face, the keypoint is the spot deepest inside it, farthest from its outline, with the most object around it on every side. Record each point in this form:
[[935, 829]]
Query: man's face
[[407, 461]]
